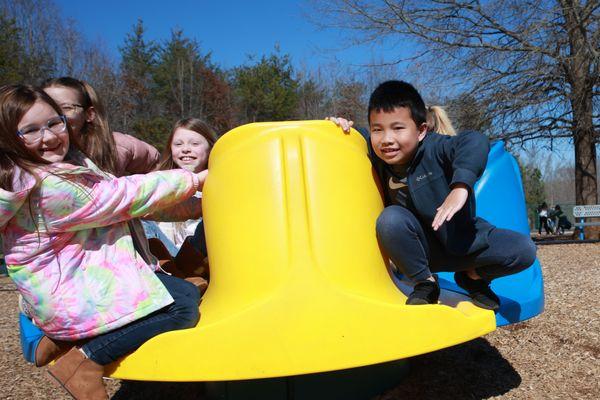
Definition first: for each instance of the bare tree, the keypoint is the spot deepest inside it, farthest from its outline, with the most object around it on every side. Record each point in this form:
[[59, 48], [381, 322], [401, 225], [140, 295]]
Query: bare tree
[[534, 65]]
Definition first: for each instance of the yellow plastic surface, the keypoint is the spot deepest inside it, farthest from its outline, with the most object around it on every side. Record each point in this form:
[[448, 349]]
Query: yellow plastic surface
[[298, 282]]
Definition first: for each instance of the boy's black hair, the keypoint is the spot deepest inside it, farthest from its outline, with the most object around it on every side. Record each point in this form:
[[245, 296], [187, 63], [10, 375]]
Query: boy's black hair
[[392, 94]]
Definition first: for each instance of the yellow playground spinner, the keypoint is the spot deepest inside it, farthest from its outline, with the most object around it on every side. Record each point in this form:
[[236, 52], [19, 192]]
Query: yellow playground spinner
[[298, 282]]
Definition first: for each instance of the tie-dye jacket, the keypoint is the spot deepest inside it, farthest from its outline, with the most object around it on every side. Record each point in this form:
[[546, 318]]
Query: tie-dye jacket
[[68, 244]]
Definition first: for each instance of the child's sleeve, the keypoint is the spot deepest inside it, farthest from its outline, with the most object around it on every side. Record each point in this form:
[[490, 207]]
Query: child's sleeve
[[467, 152], [188, 209], [135, 156], [90, 202]]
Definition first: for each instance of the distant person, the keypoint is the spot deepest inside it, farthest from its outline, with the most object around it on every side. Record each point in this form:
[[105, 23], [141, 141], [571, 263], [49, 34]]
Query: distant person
[[429, 223], [562, 222], [115, 152], [543, 217]]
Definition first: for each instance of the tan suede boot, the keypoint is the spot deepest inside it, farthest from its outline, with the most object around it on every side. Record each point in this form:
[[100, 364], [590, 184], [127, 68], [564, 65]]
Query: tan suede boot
[[199, 282], [49, 349], [79, 376]]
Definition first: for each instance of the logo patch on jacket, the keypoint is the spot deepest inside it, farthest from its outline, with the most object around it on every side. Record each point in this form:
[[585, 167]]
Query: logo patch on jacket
[[424, 176]]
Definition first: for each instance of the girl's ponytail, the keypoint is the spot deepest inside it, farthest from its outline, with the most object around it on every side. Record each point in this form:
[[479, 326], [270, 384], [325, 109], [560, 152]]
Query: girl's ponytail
[[438, 121]]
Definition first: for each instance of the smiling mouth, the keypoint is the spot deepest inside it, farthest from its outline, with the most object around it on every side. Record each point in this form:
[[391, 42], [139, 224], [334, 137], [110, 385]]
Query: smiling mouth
[[390, 151], [187, 158], [48, 149]]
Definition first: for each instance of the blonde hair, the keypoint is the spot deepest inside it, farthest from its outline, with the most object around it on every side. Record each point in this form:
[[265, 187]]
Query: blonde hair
[[95, 136], [438, 121]]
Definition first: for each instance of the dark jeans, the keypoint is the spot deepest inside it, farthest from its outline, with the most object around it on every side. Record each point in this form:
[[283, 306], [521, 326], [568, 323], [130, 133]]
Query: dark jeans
[[181, 314], [544, 224], [417, 252]]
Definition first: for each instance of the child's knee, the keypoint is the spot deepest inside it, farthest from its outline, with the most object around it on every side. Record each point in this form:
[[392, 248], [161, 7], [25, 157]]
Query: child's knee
[[524, 254], [528, 254], [188, 314], [394, 221]]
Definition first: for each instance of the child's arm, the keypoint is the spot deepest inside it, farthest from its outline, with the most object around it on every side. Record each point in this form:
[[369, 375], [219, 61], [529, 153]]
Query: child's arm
[[188, 209], [467, 153], [135, 156], [72, 206], [455, 200]]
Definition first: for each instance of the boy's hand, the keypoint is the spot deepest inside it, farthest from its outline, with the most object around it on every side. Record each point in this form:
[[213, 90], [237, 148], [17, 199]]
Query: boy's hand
[[454, 202], [342, 123]]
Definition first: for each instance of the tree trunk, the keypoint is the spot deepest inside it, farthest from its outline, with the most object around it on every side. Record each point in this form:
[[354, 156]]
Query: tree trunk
[[579, 71], [586, 189]]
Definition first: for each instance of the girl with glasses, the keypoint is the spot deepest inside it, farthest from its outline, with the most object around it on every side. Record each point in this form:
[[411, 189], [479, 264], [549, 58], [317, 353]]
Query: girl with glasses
[[74, 246], [115, 152]]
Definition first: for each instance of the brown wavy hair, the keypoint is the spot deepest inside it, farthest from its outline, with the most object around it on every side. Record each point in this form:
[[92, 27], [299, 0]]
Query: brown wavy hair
[[96, 137], [15, 101], [193, 124]]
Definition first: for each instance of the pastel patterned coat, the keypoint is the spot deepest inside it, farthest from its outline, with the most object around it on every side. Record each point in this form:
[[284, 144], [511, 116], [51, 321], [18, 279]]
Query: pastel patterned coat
[[68, 239]]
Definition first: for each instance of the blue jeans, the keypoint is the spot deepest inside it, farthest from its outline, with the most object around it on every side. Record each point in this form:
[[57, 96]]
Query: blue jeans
[[199, 238], [416, 251], [152, 230], [183, 313]]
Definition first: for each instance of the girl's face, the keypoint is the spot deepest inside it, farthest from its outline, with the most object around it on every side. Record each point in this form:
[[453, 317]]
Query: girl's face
[[44, 133], [70, 103], [190, 150]]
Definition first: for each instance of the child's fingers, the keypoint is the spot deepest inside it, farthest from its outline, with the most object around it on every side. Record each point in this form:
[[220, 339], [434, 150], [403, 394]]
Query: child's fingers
[[334, 120], [451, 214], [439, 219]]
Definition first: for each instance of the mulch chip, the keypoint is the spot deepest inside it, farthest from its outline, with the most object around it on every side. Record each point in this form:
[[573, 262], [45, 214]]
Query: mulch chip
[[553, 356]]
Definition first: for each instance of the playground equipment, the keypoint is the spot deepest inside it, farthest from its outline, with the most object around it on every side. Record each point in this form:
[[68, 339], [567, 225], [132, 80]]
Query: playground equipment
[[501, 201], [298, 282]]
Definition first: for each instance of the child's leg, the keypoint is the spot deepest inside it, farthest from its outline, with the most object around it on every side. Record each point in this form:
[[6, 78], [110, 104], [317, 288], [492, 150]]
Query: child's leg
[[181, 314], [152, 230], [404, 240], [509, 252]]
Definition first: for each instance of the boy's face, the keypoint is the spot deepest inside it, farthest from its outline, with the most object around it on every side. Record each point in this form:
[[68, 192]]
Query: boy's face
[[394, 135]]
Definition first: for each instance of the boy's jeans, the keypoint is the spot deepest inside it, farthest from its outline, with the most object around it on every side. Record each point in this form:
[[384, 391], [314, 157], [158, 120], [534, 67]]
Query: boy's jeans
[[181, 314], [417, 252]]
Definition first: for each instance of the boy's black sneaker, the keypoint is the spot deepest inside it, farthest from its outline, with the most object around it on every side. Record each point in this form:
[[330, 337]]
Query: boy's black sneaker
[[425, 292], [479, 291]]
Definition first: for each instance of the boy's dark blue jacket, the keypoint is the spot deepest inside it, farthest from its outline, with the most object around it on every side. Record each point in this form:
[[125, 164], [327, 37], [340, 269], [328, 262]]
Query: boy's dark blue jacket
[[440, 162]]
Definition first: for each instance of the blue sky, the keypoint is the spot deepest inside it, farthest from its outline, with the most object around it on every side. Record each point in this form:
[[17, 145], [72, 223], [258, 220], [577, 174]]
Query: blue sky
[[230, 29], [233, 29]]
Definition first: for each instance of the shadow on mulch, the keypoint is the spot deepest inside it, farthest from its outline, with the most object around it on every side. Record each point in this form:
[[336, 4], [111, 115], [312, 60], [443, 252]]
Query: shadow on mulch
[[472, 370]]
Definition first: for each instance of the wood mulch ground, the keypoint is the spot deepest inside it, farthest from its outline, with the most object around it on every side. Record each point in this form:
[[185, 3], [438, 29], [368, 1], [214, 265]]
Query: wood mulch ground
[[553, 356]]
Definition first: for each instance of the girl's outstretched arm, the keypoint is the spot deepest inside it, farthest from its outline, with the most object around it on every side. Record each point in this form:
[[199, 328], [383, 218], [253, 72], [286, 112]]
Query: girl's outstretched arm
[[91, 201]]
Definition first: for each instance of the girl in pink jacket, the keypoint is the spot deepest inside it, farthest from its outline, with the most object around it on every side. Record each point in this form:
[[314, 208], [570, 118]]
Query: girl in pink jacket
[[115, 152], [73, 244]]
